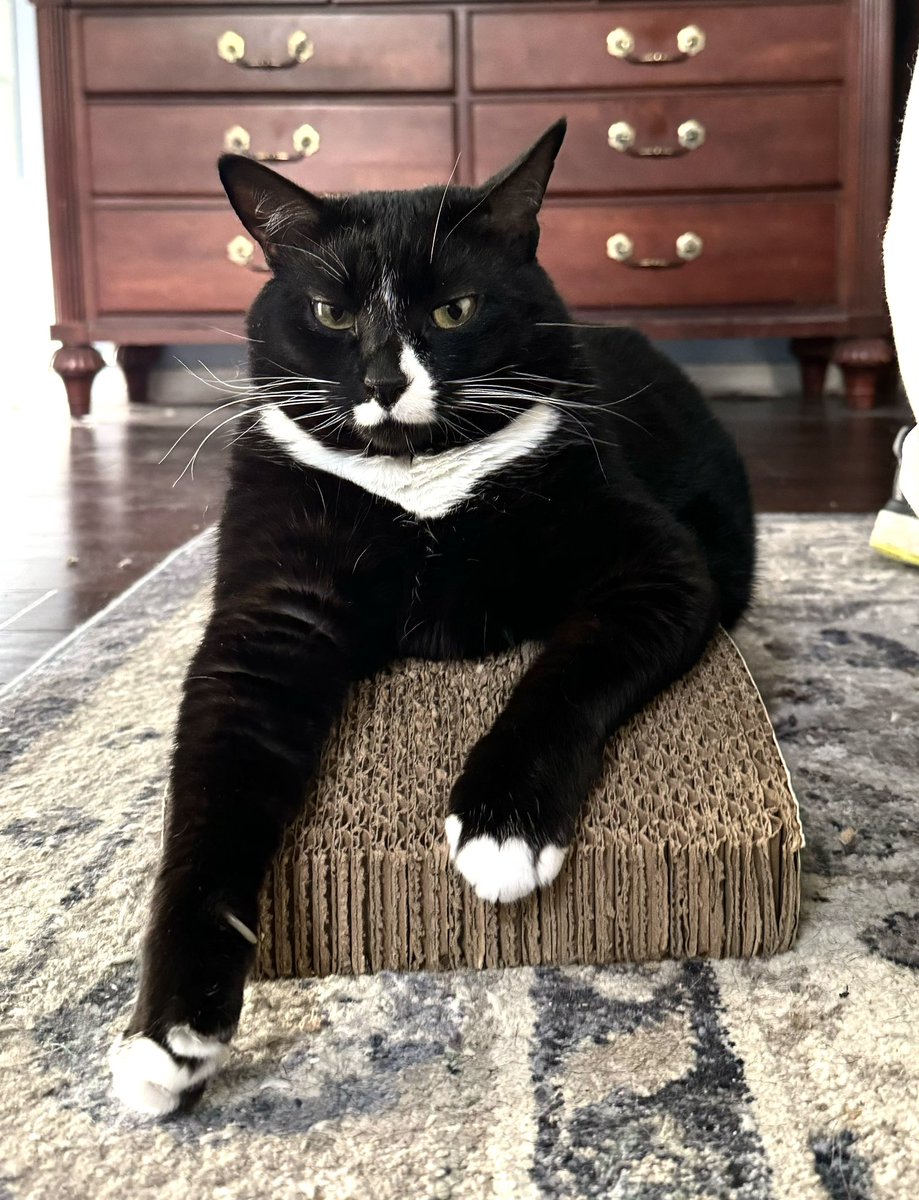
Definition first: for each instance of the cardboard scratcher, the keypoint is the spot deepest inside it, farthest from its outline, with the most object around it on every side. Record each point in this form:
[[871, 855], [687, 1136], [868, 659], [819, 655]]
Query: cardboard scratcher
[[690, 844]]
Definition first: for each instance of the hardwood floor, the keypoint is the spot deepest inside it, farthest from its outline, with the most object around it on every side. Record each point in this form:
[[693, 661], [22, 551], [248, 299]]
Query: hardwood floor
[[88, 508]]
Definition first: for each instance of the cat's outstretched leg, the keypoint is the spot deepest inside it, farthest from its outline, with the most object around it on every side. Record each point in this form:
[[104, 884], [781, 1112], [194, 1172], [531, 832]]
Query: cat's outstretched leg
[[513, 809], [260, 696]]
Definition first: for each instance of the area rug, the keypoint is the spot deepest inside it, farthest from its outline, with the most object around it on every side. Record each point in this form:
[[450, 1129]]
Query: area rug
[[794, 1077]]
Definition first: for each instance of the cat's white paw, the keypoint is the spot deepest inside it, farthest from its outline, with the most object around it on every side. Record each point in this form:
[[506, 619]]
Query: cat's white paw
[[505, 870], [146, 1078]]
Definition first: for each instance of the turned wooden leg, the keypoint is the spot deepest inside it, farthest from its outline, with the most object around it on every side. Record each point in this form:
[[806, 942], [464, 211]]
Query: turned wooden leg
[[865, 364], [78, 366], [813, 355], [136, 362]]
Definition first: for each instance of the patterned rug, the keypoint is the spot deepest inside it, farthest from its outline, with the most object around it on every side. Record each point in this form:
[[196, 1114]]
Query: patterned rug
[[796, 1077]]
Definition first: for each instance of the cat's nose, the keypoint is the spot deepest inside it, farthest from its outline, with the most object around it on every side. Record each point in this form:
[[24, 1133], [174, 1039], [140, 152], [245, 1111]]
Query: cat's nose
[[385, 390]]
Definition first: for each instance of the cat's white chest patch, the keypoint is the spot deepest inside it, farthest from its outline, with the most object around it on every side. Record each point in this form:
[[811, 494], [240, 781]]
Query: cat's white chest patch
[[428, 485]]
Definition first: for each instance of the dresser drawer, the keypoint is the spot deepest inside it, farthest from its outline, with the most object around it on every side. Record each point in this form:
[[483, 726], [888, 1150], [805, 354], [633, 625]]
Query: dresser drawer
[[172, 149], [534, 50], [277, 52], [753, 252], [671, 141], [156, 260]]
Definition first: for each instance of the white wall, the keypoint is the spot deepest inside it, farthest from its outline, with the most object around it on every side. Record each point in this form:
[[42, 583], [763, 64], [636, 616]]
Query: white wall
[[26, 297]]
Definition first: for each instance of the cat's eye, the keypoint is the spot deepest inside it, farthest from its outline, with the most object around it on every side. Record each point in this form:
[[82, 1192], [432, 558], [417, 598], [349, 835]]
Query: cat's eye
[[455, 312], [333, 316]]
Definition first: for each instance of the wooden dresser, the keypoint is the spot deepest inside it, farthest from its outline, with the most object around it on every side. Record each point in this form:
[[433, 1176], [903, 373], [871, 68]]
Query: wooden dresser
[[725, 174]]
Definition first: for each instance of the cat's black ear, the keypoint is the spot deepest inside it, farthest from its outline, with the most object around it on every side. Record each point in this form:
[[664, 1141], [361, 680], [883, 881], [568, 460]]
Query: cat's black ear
[[513, 197], [269, 205]]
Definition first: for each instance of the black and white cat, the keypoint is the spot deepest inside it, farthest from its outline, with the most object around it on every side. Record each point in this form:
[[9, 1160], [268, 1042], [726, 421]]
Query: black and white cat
[[436, 462]]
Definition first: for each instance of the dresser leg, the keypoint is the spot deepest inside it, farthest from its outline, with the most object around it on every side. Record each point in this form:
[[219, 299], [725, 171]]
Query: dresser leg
[[865, 364], [136, 362], [78, 366], [813, 355]]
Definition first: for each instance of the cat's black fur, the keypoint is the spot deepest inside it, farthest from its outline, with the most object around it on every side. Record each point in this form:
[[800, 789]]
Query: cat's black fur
[[620, 542]]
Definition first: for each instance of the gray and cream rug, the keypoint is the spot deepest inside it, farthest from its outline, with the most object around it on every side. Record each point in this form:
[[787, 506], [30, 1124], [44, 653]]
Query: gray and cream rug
[[796, 1077]]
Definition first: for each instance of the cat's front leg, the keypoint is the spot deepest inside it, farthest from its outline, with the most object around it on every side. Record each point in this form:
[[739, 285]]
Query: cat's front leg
[[260, 696], [513, 811]]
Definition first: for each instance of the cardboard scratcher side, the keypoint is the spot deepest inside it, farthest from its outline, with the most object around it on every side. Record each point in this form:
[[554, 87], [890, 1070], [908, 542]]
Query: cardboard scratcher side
[[689, 845]]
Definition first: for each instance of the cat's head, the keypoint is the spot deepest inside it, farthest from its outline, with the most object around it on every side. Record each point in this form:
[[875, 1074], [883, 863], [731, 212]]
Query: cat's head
[[405, 321]]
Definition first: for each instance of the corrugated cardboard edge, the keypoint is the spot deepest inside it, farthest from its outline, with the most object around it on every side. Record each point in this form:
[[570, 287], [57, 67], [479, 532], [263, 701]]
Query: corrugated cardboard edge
[[775, 741], [357, 909]]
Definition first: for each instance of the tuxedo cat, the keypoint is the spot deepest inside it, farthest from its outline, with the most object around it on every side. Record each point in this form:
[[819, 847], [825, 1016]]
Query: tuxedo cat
[[434, 461]]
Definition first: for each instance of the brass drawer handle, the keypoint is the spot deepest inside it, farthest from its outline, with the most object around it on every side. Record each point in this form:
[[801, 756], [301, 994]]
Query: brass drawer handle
[[241, 252], [690, 136], [305, 139], [231, 47], [690, 41], [620, 248]]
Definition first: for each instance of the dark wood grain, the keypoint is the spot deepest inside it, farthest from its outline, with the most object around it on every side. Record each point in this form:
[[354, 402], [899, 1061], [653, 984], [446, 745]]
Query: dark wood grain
[[95, 510], [762, 43], [780, 251], [171, 149], [160, 260], [365, 52], [733, 123]]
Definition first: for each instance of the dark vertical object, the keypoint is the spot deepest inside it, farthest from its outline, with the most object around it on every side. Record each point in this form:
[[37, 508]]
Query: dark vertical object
[[77, 362], [78, 366], [865, 364], [813, 355], [866, 357], [136, 363]]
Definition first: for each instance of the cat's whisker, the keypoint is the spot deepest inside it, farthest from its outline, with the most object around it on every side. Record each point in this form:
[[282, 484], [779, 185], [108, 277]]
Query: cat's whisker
[[570, 409], [451, 425], [337, 419], [329, 249], [190, 465], [512, 376], [217, 381], [193, 425], [251, 411], [494, 406], [244, 383], [323, 265], [567, 325], [442, 202], [480, 378], [321, 413], [293, 399], [592, 405], [290, 377], [505, 391], [548, 379], [218, 386], [465, 215], [229, 333], [247, 412], [482, 405], [265, 384]]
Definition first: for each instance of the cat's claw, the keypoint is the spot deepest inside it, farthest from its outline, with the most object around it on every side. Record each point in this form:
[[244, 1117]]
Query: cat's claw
[[505, 870], [151, 1079]]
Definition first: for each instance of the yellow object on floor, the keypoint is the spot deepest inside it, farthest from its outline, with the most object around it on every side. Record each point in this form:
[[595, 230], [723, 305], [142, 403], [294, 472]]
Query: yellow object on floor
[[896, 535]]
